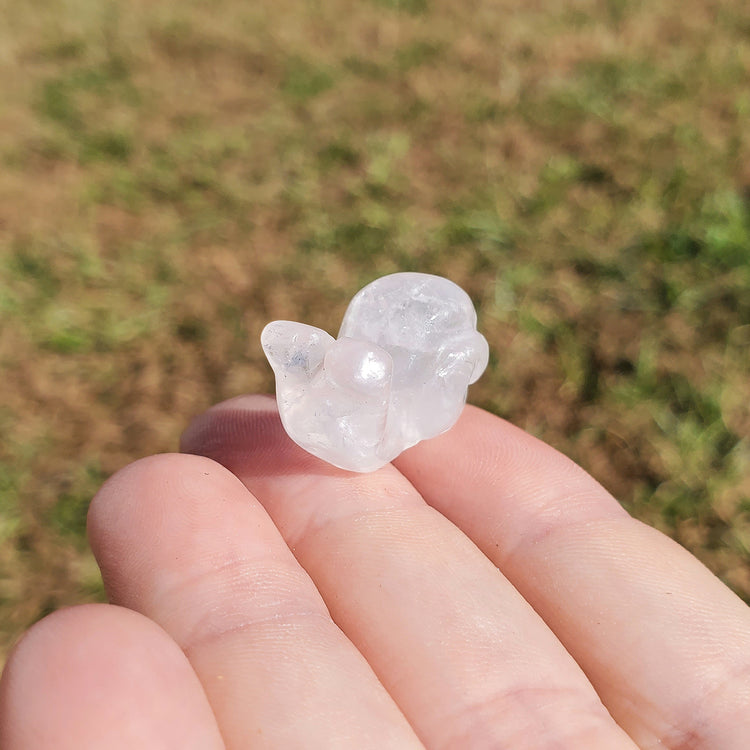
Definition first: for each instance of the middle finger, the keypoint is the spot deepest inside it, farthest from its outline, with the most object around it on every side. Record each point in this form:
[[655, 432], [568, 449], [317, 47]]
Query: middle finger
[[467, 659]]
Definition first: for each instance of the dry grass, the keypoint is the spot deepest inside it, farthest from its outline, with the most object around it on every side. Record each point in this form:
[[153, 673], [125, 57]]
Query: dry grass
[[175, 175]]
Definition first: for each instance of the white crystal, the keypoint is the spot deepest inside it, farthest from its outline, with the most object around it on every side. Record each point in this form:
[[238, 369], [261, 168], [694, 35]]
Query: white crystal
[[407, 351]]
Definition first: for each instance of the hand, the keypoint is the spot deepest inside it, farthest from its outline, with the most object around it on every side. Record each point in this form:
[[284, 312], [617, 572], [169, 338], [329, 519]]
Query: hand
[[484, 592]]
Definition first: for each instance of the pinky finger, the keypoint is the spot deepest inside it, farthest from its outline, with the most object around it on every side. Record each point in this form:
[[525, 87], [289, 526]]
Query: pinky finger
[[100, 676]]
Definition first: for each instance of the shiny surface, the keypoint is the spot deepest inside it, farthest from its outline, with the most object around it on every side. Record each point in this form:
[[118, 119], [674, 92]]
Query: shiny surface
[[407, 351]]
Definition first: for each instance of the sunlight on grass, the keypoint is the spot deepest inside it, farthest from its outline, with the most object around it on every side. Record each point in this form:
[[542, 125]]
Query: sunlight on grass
[[174, 176]]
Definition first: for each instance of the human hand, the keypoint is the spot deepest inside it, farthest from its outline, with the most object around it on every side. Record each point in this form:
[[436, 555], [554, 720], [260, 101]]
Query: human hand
[[483, 592]]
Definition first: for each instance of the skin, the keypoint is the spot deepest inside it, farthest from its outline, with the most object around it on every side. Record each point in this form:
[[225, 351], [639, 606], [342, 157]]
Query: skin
[[482, 592]]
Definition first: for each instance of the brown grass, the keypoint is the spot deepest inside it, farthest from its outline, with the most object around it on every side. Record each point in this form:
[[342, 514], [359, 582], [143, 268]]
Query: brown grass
[[176, 175]]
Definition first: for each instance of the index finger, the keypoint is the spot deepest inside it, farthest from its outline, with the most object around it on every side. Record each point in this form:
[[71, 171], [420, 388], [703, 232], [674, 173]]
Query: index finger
[[664, 642]]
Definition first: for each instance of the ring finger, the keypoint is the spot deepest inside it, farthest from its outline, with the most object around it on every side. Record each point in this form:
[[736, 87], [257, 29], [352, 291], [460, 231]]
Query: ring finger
[[179, 539]]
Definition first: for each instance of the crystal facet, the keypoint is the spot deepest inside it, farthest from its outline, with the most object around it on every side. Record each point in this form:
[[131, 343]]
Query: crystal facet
[[407, 351]]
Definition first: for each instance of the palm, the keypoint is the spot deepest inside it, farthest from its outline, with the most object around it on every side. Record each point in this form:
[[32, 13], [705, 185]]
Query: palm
[[483, 593]]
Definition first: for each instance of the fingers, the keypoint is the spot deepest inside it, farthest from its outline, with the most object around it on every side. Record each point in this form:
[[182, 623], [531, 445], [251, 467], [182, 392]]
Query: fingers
[[98, 676], [180, 540], [666, 645], [466, 658]]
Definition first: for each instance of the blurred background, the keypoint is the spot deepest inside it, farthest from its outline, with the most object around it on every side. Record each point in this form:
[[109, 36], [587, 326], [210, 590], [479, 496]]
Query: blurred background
[[175, 175]]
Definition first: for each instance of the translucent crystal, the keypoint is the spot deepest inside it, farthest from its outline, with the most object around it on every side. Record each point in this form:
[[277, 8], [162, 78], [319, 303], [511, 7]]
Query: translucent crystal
[[407, 351]]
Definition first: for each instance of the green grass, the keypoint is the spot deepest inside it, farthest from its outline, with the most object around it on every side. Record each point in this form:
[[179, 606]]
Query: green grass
[[175, 176], [303, 81]]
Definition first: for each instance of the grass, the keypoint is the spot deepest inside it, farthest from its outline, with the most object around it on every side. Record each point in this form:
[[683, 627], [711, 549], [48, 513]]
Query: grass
[[174, 176]]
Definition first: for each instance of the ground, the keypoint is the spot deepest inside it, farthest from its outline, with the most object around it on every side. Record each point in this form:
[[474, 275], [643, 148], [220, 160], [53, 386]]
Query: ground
[[175, 175]]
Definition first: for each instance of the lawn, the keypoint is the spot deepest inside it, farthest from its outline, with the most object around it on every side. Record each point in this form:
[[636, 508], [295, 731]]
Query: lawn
[[175, 175]]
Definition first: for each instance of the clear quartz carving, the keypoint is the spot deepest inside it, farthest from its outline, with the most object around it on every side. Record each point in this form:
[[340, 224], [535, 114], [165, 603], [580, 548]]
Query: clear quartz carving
[[398, 373]]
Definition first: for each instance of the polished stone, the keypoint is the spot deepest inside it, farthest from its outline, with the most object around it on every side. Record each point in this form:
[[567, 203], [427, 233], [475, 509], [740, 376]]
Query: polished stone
[[398, 373]]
